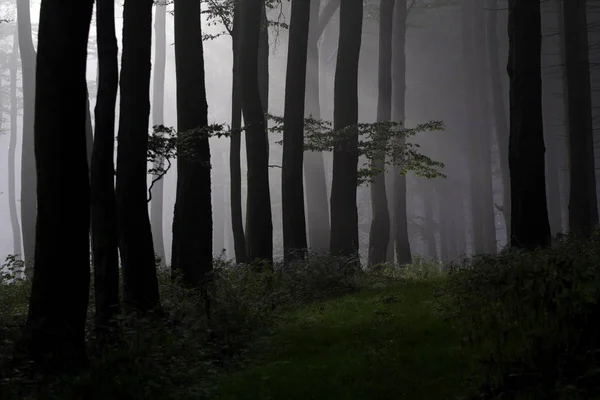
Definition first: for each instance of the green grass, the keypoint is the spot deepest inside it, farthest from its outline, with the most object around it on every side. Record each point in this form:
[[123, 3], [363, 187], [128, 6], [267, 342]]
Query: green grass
[[377, 344]]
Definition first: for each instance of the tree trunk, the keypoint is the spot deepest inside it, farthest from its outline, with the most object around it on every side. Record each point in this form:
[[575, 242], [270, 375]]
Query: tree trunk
[[400, 223], [379, 235], [28, 168], [105, 238], [529, 217], [583, 209], [317, 207], [135, 235], [259, 226], [12, 149], [344, 212], [292, 185], [499, 111], [192, 221], [158, 100], [58, 306], [237, 223]]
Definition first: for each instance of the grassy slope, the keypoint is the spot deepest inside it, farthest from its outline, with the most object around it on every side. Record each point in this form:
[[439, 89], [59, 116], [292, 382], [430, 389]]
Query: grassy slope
[[379, 344]]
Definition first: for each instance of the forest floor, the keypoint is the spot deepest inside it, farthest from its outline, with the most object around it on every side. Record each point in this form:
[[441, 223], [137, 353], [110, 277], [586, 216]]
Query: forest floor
[[386, 343]]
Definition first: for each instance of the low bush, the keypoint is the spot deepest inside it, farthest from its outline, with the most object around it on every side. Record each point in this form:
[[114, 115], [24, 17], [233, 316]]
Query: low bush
[[535, 316]]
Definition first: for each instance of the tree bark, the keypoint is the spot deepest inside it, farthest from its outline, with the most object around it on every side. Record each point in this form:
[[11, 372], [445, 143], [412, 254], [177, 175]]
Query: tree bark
[[317, 206], [259, 227], [292, 185], [158, 100], [400, 222], [344, 213], [379, 235], [105, 238], [192, 222], [28, 168], [135, 235], [55, 329], [529, 218], [12, 149], [583, 209]]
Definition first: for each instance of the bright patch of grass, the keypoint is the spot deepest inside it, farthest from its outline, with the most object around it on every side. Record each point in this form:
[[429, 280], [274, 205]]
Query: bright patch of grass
[[378, 344]]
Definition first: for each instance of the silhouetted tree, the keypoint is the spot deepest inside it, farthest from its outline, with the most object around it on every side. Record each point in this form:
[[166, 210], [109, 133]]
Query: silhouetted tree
[[12, 149], [135, 235], [344, 213], [259, 227], [529, 214], [379, 235], [583, 208], [55, 328], [105, 239], [192, 221]]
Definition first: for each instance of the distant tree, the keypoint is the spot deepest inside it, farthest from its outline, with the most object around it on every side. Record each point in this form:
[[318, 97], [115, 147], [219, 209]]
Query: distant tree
[[28, 168], [135, 235], [12, 193], [379, 236], [259, 227], [55, 329], [400, 223], [192, 221], [344, 213], [529, 217], [105, 238], [158, 100], [583, 208], [317, 205], [292, 185]]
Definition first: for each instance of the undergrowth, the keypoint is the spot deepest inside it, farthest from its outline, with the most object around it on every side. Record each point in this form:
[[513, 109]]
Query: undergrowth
[[534, 317]]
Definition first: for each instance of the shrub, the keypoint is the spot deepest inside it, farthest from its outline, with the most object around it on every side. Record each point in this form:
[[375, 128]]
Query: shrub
[[535, 316]]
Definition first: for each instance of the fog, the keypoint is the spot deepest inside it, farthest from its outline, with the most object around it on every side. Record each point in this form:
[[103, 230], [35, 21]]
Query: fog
[[436, 90]]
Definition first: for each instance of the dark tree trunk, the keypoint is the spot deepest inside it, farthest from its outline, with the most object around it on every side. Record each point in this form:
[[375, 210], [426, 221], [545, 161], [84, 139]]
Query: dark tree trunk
[[105, 239], [259, 227], [317, 206], [292, 185], [400, 223], [28, 168], [583, 209], [12, 149], [192, 221], [158, 100], [529, 217], [344, 213], [499, 111], [135, 235], [237, 223], [58, 306], [379, 235]]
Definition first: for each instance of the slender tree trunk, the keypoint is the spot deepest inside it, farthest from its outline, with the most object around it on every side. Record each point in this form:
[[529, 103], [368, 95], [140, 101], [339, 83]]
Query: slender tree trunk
[[317, 207], [55, 329], [529, 218], [237, 223], [379, 235], [292, 185], [344, 213], [499, 111], [583, 208], [192, 222], [105, 238], [135, 235], [158, 100], [259, 226], [400, 222], [28, 168], [429, 222], [12, 149], [328, 10]]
